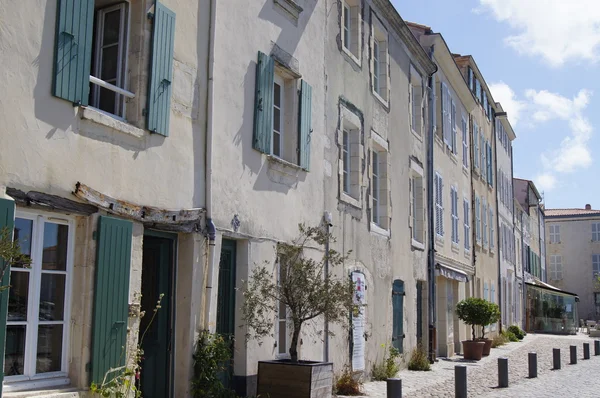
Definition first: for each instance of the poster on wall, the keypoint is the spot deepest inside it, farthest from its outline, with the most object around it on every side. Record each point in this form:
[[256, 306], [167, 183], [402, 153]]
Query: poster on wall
[[358, 322]]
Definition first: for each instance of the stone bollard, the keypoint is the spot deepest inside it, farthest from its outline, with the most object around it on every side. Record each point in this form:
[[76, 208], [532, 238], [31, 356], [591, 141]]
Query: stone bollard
[[394, 388], [502, 372], [573, 350], [586, 350], [532, 365], [556, 358], [596, 347], [460, 381]]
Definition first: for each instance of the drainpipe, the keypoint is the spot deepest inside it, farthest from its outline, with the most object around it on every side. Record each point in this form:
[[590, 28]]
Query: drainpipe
[[430, 220], [500, 284], [210, 226]]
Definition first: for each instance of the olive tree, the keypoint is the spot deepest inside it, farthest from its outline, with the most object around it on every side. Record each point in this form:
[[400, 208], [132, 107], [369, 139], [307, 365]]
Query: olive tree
[[300, 285]]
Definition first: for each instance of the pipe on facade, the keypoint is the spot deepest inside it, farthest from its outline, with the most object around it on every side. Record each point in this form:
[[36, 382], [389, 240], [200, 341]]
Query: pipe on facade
[[430, 220], [210, 226]]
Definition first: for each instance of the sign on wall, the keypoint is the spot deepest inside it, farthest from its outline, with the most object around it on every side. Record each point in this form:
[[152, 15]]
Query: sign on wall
[[358, 321]]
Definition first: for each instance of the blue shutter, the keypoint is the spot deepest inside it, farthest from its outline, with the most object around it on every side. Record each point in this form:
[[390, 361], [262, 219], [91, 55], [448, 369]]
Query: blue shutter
[[161, 70], [305, 125], [263, 103], [73, 50], [7, 220], [398, 315], [491, 178], [111, 295]]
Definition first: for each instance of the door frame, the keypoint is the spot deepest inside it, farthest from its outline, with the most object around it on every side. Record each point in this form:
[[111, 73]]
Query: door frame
[[173, 237]]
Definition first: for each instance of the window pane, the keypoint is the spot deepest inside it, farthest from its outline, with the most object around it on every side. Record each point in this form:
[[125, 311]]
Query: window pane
[[282, 337], [22, 235], [110, 58], [112, 24], [55, 247], [49, 349], [107, 101], [276, 144], [18, 296], [277, 95], [14, 356], [52, 297], [276, 119]]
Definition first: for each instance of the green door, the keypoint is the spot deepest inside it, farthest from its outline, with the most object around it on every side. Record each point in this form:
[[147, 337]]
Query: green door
[[155, 337], [226, 301], [398, 315]]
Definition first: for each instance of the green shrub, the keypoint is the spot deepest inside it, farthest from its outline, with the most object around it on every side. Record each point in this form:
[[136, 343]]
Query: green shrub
[[212, 358], [419, 360], [517, 331], [510, 335], [499, 340], [388, 368], [347, 384]]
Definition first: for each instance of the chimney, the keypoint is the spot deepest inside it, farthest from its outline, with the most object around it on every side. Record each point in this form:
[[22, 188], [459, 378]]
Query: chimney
[[588, 207]]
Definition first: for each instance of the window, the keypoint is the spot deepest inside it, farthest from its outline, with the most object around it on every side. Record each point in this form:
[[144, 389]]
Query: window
[[475, 146], [484, 222], [483, 150], [596, 265], [556, 268], [595, 232], [439, 205], [413, 109], [448, 118], [351, 157], [283, 340], [379, 59], [109, 59], [477, 90], [467, 225], [379, 182], [477, 220], [416, 107], [346, 161], [491, 228], [376, 194], [416, 203], [470, 72], [454, 211], [38, 307], [453, 123], [278, 122], [485, 104], [351, 29], [554, 233], [465, 144]]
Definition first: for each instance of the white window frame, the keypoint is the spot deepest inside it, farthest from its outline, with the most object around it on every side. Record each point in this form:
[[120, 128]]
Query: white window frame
[[484, 223], [556, 268], [477, 219], [416, 205], [465, 143], [351, 157], [30, 379], [380, 184], [346, 26], [595, 231], [375, 187], [346, 171], [475, 146], [453, 125], [554, 233], [379, 48], [483, 156], [277, 79], [351, 29], [467, 224], [413, 109], [596, 265], [454, 213], [120, 85], [439, 205]]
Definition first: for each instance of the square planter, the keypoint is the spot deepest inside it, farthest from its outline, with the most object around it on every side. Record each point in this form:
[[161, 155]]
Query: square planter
[[305, 379]]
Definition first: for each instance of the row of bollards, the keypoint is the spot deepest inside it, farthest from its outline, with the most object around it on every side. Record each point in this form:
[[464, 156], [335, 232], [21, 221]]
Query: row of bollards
[[394, 386]]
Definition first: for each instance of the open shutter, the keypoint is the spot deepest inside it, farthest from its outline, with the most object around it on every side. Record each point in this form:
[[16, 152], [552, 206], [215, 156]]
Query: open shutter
[[433, 106], [305, 125], [7, 220], [73, 50], [263, 103], [398, 315], [111, 295]]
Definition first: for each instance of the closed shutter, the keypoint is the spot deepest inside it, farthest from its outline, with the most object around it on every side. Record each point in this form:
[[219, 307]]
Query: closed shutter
[[445, 131], [73, 50], [398, 315], [453, 124], [111, 295], [490, 160], [161, 70], [305, 125], [7, 220], [263, 103]]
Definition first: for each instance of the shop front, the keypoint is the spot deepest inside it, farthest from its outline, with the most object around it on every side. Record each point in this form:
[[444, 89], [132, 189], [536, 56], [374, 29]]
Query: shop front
[[549, 309]]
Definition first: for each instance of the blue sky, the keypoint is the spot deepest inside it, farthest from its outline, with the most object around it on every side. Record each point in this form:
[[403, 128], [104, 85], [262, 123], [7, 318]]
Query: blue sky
[[540, 59]]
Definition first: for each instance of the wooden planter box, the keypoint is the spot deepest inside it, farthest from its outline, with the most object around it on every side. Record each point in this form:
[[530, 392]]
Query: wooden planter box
[[305, 379]]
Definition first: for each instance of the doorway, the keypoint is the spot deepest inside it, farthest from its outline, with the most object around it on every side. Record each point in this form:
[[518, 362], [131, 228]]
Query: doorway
[[226, 303], [156, 334]]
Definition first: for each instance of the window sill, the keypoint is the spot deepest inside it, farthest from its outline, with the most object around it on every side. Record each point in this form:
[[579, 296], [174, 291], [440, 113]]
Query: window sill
[[381, 100], [453, 157], [465, 171], [467, 253], [439, 239], [59, 380], [455, 247], [290, 8], [103, 119], [439, 141], [376, 229], [417, 135], [417, 245], [352, 57], [284, 166], [344, 197]]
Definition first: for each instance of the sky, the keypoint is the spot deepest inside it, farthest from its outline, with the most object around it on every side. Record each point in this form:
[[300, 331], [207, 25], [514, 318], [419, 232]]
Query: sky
[[540, 59]]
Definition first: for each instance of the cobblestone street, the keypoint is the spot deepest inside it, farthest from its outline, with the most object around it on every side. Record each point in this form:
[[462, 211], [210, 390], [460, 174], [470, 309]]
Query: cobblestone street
[[482, 376]]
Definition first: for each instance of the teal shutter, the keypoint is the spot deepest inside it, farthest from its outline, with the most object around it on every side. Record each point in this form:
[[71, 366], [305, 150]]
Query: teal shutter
[[7, 220], [73, 50], [305, 125], [111, 295], [263, 103], [398, 315], [161, 71]]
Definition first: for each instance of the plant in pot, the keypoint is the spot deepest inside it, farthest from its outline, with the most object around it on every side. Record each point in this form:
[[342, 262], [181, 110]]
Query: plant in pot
[[493, 316], [474, 312], [300, 286]]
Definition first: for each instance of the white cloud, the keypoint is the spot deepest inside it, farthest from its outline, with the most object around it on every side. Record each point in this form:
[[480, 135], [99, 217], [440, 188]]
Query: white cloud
[[558, 30], [506, 96], [545, 182]]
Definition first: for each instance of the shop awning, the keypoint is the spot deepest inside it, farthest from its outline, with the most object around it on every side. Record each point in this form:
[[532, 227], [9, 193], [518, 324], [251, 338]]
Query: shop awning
[[451, 273], [543, 285]]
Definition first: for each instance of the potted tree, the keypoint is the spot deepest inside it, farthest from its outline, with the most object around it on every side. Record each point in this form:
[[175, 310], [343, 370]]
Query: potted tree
[[493, 316], [303, 288], [472, 311]]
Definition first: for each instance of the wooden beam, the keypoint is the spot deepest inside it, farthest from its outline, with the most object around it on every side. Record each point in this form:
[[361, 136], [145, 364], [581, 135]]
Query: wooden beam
[[185, 220], [44, 201]]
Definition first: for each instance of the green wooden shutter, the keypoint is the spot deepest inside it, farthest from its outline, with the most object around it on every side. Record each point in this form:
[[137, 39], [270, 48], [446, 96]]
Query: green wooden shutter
[[111, 295], [305, 125], [7, 220], [73, 50], [161, 70], [398, 314], [263, 103]]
